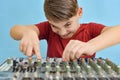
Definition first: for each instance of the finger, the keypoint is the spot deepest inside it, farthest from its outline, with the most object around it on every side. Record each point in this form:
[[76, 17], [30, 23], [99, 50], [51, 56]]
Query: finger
[[29, 51], [83, 55], [37, 51], [80, 52], [21, 47], [65, 55], [66, 52], [74, 52], [24, 47], [30, 58]]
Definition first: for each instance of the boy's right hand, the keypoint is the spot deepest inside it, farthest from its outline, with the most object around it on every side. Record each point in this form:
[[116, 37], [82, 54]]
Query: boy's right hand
[[29, 44]]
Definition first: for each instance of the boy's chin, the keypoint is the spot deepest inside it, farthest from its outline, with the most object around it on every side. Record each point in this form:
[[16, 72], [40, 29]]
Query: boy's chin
[[66, 37]]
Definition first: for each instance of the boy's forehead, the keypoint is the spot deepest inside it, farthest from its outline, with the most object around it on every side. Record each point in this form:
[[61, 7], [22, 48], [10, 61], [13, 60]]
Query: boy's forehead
[[63, 22], [59, 23]]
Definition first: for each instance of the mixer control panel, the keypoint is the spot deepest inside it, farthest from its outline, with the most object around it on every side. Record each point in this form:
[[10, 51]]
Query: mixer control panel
[[56, 69]]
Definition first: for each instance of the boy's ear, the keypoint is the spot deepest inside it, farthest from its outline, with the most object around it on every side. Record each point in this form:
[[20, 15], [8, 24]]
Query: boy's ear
[[79, 12]]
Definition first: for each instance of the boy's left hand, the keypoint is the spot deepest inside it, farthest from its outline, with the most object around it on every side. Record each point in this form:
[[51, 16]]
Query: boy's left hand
[[75, 49]]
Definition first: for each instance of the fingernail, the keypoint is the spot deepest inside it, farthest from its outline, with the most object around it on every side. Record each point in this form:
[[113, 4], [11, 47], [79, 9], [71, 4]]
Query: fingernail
[[64, 59], [38, 58]]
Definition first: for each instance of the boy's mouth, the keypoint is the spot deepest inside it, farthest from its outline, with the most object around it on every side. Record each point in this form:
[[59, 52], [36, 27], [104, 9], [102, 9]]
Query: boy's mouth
[[66, 36]]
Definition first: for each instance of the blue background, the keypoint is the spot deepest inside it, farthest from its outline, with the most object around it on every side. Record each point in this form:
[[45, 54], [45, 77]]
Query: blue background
[[26, 12]]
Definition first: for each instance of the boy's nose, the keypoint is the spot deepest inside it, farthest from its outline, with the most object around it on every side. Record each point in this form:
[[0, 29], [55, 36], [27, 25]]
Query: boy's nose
[[63, 32]]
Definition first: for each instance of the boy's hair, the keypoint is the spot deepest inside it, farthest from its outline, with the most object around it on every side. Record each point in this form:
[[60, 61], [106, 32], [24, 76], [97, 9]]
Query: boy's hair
[[60, 10]]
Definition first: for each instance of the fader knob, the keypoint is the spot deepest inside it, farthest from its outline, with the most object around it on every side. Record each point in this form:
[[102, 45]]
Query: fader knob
[[39, 63], [9, 61], [39, 79], [26, 79], [67, 78]]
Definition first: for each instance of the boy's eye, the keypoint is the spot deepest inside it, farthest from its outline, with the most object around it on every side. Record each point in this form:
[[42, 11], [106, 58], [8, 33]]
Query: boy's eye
[[68, 24], [54, 26]]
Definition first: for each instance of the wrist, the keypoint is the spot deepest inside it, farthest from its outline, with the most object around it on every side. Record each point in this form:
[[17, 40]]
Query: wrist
[[29, 32], [93, 48]]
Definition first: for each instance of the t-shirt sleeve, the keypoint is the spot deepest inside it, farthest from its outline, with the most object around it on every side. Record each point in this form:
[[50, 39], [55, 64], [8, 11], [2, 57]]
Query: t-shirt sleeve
[[44, 29], [95, 29]]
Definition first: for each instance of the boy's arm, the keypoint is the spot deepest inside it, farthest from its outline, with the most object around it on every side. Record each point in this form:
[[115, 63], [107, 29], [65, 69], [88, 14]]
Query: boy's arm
[[18, 31], [109, 36], [75, 49], [28, 36]]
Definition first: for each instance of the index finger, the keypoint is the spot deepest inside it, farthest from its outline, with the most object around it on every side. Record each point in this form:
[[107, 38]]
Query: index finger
[[65, 55], [37, 52], [66, 52]]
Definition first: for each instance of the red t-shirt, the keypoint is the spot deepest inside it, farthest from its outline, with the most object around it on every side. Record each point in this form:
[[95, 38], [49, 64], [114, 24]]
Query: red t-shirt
[[56, 44]]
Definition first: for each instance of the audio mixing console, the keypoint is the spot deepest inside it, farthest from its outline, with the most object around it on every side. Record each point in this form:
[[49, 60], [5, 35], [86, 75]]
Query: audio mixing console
[[55, 69]]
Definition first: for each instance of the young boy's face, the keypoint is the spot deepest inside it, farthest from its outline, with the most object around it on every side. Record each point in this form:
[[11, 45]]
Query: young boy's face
[[66, 29]]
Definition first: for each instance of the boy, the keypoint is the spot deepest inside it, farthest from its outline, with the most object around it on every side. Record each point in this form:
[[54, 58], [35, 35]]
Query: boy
[[66, 38]]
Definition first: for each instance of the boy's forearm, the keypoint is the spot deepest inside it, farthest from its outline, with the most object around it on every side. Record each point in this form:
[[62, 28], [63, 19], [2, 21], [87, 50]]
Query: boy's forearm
[[106, 39], [17, 31]]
